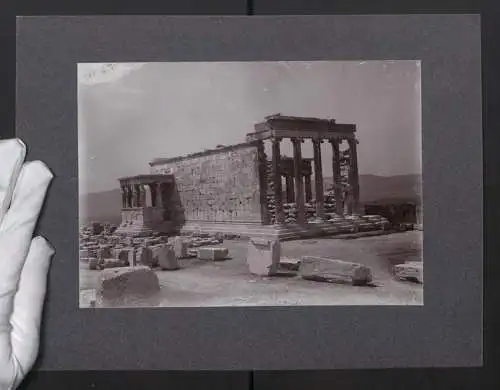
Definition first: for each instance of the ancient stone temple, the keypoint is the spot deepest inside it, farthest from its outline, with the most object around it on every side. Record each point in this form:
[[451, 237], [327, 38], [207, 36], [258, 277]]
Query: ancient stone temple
[[237, 189]]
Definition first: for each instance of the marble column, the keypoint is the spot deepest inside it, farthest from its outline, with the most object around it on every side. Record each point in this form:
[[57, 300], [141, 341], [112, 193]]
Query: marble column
[[148, 200], [354, 174], [290, 195], [154, 194], [308, 185], [318, 179], [142, 198], [136, 196], [299, 182], [159, 195], [130, 196], [124, 197], [263, 179], [336, 176], [278, 202]]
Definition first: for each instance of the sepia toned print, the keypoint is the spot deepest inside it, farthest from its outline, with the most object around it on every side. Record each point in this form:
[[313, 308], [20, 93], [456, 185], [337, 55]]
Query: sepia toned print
[[250, 184]]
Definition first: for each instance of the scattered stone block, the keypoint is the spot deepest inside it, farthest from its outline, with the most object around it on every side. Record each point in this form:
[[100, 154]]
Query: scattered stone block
[[181, 248], [213, 254], [96, 228], [288, 264], [145, 257], [122, 282], [334, 271], [84, 253], [93, 263], [113, 263], [167, 260], [411, 271], [263, 256], [104, 252]]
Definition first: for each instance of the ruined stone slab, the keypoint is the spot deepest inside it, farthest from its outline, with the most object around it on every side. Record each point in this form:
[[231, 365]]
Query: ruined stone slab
[[93, 263], [104, 252], [410, 271], [213, 254], [123, 254], [289, 264], [263, 256], [145, 257], [334, 271], [181, 247], [96, 228], [84, 253], [167, 260], [113, 263], [122, 282]]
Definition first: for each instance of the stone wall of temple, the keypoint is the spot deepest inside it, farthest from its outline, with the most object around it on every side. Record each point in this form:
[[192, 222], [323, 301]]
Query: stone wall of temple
[[218, 185]]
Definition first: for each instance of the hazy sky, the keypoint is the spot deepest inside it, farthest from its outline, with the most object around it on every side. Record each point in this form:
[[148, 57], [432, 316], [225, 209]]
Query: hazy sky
[[130, 114]]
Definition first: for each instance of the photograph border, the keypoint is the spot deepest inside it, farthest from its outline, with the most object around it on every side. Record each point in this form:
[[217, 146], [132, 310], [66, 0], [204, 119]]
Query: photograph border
[[446, 332]]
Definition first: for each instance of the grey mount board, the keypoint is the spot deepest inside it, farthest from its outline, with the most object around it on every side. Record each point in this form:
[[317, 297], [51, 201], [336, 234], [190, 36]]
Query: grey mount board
[[445, 332]]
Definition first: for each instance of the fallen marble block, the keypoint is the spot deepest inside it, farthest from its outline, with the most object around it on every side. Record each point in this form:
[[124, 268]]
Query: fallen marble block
[[121, 282], [213, 254], [113, 263], [334, 271], [288, 264], [263, 256], [166, 257], [93, 263], [84, 253], [411, 271], [145, 256], [104, 252], [181, 247], [124, 255]]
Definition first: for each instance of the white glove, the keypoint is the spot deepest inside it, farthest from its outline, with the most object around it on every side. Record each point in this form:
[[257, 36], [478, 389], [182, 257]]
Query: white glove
[[24, 261]]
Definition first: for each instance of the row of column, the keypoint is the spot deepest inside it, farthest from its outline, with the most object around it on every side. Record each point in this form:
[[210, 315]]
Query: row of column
[[318, 176], [290, 188], [141, 195]]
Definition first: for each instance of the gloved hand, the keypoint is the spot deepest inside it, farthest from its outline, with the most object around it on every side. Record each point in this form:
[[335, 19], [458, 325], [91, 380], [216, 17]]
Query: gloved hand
[[24, 261]]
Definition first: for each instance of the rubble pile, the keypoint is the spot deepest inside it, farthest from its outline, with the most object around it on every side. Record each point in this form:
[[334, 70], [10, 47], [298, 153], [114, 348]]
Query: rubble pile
[[101, 249]]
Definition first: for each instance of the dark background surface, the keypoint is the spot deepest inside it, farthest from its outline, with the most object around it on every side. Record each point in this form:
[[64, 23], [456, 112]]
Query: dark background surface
[[477, 378]]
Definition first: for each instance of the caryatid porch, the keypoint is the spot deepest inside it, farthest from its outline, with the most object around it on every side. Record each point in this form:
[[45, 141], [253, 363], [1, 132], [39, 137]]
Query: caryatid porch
[[145, 202], [298, 129]]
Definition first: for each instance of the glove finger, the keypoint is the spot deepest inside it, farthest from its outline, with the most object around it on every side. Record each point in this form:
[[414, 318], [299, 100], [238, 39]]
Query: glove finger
[[16, 230], [28, 303], [12, 155]]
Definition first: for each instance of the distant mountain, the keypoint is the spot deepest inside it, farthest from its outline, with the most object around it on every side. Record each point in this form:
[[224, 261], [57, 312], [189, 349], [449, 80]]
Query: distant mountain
[[106, 206], [101, 206], [375, 188]]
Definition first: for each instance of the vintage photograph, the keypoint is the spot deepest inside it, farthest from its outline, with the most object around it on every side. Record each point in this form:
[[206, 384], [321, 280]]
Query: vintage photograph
[[209, 184]]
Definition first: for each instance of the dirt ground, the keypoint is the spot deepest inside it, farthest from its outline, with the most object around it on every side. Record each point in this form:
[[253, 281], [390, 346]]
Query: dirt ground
[[228, 283]]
